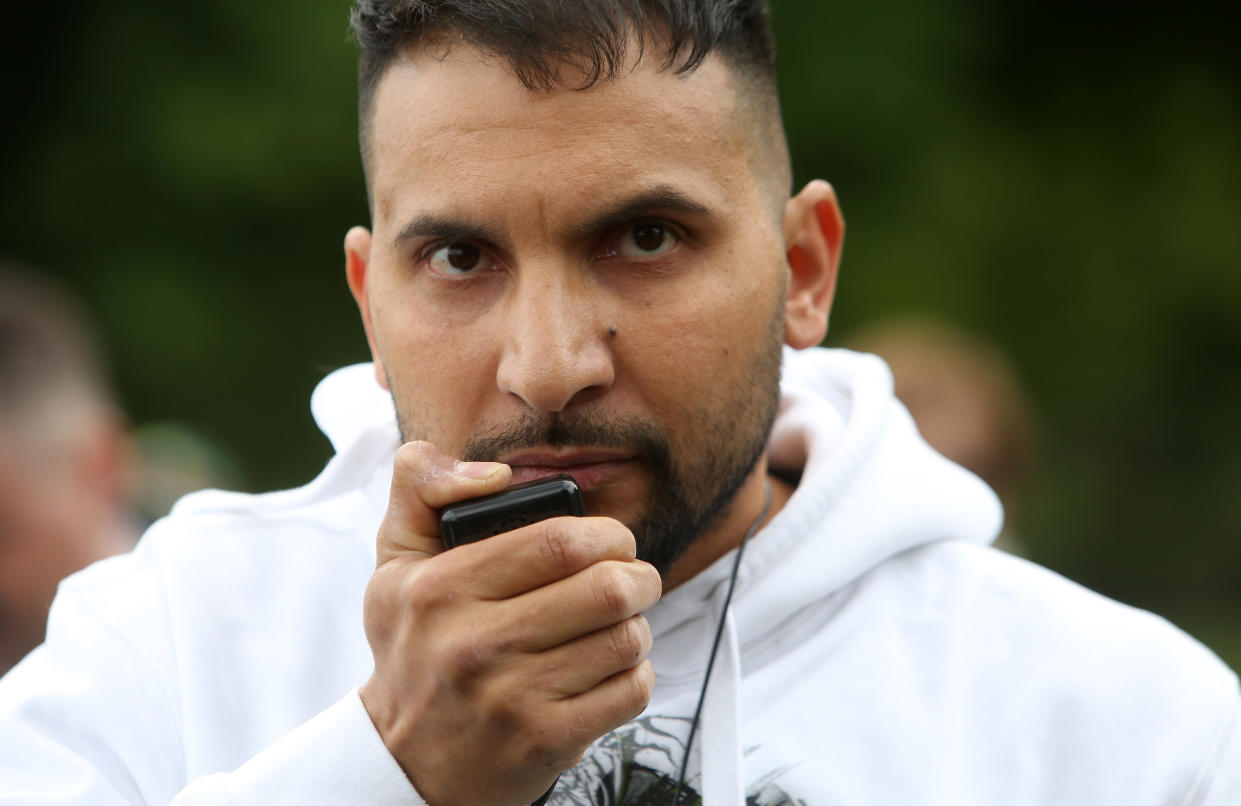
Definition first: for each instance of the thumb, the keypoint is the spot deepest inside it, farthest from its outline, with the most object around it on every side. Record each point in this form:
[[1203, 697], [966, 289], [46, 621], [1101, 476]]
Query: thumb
[[425, 479]]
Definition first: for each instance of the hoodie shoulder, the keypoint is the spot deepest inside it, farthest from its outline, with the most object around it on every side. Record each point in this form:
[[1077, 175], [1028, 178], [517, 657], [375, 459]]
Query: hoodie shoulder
[[1072, 667], [1060, 625]]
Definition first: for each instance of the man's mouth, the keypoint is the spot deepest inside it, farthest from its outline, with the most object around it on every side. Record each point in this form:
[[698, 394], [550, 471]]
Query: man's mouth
[[589, 467]]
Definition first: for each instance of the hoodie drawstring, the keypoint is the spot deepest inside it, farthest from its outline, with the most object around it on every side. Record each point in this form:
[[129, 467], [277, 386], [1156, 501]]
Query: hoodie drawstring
[[730, 792], [722, 780]]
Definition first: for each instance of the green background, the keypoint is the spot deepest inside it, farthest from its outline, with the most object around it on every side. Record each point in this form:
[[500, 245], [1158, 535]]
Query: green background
[[1063, 179]]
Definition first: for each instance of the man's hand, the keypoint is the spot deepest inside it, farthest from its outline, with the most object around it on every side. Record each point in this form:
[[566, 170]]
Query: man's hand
[[499, 662]]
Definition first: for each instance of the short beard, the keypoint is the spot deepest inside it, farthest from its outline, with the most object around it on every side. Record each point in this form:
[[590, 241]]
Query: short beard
[[692, 486], [681, 506]]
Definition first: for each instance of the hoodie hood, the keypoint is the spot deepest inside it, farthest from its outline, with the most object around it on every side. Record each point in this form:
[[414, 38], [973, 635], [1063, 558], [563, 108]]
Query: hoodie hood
[[868, 488]]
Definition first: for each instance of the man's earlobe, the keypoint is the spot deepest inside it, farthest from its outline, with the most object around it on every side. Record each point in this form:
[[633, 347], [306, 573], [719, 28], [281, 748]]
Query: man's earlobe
[[814, 234], [357, 265]]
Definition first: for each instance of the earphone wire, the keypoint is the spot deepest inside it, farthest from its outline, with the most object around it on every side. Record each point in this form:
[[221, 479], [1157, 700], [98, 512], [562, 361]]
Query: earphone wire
[[715, 644]]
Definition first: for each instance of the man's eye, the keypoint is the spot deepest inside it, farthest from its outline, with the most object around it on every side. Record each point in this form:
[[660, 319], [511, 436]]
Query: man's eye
[[457, 259], [646, 240]]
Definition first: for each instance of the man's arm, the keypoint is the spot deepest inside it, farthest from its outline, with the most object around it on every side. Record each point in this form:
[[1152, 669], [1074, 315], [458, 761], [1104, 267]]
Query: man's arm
[[335, 758], [87, 719], [69, 730]]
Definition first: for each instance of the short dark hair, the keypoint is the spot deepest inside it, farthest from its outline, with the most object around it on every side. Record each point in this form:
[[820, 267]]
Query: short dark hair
[[537, 38]]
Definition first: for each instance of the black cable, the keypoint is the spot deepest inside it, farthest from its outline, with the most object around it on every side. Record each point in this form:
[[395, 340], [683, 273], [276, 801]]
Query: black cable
[[546, 794], [715, 645]]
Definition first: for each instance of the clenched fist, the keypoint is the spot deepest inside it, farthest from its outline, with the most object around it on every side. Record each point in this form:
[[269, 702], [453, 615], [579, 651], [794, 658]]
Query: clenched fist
[[499, 662]]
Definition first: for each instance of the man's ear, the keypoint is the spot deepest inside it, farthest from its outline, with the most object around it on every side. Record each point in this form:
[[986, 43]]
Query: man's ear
[[814, 233], [357, 262]]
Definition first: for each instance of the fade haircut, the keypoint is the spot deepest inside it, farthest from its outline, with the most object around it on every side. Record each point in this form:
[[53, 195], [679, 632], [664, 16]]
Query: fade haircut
[[538, 39]]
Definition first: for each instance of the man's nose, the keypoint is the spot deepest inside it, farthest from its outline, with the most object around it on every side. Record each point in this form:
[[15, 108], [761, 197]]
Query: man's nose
[[555, 347]]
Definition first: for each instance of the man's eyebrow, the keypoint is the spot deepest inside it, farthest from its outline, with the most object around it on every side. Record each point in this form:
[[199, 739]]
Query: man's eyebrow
[[659, 199], [428, 225]]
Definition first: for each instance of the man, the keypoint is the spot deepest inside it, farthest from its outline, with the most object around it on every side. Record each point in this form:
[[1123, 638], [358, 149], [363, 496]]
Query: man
[[583, 259], [64, 457]]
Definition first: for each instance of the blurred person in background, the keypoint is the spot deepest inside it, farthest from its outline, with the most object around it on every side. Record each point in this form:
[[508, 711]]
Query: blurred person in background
[[967, 400], [65, 458]]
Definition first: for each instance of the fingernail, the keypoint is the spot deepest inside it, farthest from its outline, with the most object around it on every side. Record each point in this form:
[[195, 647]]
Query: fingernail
[[477, 470]]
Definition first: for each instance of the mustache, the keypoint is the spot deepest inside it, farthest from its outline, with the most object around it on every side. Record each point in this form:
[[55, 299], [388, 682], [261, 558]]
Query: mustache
[[586, 431]]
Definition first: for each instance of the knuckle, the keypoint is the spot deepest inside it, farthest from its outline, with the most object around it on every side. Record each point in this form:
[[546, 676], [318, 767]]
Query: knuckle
[[613, 588], [621, 539], [559, 548], [421, 589], [381, 588], [465, 658], [470, 654], [644, 682], [377, 618], [503, 714], [630, 696], [642, 628], [640, 686], [409, 457], [652, 584], [628, 641]]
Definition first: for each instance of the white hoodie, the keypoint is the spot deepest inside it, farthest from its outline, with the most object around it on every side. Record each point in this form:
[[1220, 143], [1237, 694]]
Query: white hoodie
[[877, 650]]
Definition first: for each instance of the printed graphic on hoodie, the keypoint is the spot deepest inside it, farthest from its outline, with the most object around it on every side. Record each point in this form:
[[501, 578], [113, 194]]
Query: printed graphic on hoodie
[[638, 766]]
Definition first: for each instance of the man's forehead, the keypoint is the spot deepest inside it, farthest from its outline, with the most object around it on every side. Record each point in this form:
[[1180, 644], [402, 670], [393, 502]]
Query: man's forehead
[[464, 119]]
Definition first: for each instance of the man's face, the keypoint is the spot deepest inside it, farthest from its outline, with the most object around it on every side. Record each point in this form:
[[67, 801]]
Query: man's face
[[588, 282]]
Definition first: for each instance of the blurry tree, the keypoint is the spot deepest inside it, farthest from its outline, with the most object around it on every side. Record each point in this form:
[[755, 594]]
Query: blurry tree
[[192, 169], [1063, 178]]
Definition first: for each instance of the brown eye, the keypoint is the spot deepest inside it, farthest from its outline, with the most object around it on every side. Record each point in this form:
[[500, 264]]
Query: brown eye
[[646, 240], [462, 256], [648, 237], [457, 259]]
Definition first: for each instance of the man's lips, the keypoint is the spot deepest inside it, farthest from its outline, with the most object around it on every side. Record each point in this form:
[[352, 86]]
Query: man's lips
[[588, 467]]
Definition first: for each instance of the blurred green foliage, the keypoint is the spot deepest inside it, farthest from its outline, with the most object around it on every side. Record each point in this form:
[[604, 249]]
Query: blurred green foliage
[[1064, 179]]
